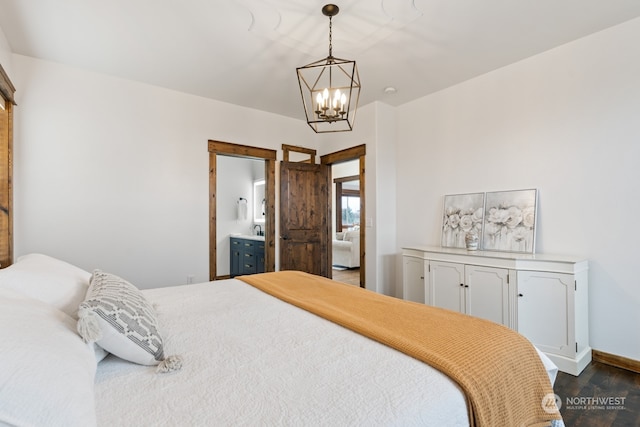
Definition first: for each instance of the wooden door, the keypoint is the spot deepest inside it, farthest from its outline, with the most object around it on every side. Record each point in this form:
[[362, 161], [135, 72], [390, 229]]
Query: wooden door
[[305, 212]]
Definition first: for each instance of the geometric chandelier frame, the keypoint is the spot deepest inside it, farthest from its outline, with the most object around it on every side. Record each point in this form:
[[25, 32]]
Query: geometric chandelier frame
[[330, 88]]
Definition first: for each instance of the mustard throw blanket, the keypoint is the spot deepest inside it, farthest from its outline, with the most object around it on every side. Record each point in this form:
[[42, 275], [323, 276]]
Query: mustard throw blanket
[[498, 369]]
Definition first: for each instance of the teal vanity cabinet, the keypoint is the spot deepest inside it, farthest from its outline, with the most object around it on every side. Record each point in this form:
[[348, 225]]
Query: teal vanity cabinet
[[247, 255]]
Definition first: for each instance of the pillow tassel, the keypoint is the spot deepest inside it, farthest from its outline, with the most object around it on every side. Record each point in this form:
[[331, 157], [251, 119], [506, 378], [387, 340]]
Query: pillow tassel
[[88, 325], [170, 364]]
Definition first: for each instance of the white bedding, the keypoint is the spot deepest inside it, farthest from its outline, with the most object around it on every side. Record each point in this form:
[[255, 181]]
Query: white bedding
[[251, 359]]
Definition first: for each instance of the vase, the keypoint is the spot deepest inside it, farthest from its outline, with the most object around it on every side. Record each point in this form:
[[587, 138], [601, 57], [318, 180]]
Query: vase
[[471, 241]]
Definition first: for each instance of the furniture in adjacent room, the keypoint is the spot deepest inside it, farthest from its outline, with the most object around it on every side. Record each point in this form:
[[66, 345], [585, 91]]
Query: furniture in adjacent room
[[247, 255], [346, 249], [544, 297]]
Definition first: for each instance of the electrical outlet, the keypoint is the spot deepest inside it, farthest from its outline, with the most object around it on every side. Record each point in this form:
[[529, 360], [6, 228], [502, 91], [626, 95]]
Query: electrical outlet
[[190, 279]]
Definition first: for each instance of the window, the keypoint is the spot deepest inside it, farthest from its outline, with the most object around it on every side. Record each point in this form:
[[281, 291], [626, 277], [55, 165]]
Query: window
[[350, 210], [347, 202]]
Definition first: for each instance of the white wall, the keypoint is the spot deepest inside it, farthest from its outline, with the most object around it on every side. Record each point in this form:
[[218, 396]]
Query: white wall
[[114, 174], [385, 200], [565, 122]]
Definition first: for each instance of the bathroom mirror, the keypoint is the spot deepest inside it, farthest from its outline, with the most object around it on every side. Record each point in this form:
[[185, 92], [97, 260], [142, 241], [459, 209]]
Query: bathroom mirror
[[259, 201]]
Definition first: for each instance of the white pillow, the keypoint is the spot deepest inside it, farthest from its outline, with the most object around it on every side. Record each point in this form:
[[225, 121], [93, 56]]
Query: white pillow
[[46, 371], [119, 319], [49, 280]]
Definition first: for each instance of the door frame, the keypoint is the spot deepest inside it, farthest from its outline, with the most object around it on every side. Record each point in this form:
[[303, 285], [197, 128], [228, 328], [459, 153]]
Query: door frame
[[354, 153], [7, 91], [236, 150]]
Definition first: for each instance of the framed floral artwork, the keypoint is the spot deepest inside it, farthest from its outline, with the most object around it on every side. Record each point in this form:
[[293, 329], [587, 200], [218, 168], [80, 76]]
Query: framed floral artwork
[[463, 213], [510, 221]]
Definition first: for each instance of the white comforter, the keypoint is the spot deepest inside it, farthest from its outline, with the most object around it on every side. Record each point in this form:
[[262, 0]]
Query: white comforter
[[251, 359]]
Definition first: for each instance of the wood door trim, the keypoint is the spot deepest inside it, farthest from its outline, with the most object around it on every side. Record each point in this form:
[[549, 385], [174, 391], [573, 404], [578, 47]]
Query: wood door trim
[[230, 149], [296, 149], [338, 224], [344, 155], [6, 87], [216, 148], [347, 178], [358, 152], [7, 91]]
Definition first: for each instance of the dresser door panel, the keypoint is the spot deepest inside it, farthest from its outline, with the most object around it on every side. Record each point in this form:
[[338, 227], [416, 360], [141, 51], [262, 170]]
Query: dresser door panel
[[487, 293], [545, 307], [447, 285]]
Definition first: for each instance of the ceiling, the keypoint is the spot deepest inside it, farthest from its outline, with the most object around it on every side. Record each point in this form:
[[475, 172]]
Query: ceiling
[[245, 52]]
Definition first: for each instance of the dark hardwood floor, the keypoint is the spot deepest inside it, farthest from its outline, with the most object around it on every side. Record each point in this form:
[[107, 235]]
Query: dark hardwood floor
[[617, 391]]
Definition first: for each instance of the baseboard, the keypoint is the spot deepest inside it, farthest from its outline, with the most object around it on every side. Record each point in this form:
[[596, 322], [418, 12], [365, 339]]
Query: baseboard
[[617, 361], [571, 365]]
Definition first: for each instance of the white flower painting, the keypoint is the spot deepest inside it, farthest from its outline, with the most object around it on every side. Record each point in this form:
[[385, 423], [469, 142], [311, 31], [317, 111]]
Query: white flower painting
[[510, 221], [463, 213]]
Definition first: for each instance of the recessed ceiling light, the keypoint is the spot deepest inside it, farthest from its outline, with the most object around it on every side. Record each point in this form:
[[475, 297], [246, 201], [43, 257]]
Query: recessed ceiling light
[[389, 90]]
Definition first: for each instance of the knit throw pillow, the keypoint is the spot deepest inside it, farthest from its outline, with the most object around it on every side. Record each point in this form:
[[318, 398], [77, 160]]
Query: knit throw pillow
[[119, 319]]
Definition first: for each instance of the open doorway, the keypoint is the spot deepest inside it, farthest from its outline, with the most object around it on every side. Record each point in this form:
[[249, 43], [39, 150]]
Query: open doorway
[[348, 212], [346, 222], [224, 150]]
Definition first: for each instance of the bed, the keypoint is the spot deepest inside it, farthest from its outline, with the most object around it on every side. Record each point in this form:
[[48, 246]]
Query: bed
[[240, 355]]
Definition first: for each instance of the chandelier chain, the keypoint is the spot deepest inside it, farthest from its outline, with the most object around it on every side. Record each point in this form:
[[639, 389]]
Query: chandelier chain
[[330, 44]]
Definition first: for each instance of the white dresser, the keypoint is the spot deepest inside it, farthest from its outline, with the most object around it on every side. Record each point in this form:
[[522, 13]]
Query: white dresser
[[544, 297]]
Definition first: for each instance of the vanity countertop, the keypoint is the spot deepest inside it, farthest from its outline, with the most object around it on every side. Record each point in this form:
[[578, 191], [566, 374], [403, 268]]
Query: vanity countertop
[[248, 237]]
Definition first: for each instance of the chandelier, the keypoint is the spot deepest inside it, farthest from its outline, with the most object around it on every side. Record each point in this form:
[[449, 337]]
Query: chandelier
[[330, 88]]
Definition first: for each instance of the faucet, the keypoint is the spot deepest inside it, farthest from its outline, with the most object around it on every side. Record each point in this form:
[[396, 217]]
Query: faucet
[[260, 232]]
